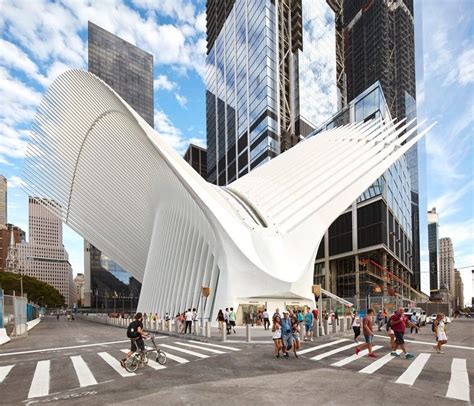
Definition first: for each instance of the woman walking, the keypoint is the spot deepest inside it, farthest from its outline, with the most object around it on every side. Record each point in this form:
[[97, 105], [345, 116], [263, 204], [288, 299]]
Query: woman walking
[[295, 331], [440, 332], [277, 335], [220, 319], [356, 325]]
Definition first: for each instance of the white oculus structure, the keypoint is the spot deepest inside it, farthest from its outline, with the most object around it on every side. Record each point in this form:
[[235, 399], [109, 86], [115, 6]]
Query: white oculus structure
[[123, 188]]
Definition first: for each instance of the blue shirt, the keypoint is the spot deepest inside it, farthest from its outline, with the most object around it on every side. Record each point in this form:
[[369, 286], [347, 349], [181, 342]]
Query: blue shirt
[[308, 317], [286, 326]]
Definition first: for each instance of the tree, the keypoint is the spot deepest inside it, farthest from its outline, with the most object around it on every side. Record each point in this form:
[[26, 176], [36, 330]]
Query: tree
[[37, 291]]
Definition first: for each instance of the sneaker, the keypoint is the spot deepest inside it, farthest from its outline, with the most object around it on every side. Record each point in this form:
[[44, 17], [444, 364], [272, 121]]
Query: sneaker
[[409, 356], [372, 355], [394, 354], [286, 355], [357, 350], [310, 339], [122, 362]]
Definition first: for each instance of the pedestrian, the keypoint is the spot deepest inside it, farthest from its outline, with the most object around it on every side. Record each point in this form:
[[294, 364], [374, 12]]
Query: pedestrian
[[308, 324], [220, 319], [57, 316], [295, 332], [415, 322], [277, 313], [286, 336], [232, 318], [300, 317], [390, 333], [276, 328], [189, 321], [440, 332], [380, 319], [368, 334], [167, 320], [266, 320], [356, 325], [336, 317], [399, 322], [226, 320]]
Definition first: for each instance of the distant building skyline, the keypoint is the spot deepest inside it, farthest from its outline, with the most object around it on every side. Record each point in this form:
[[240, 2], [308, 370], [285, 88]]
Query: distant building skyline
[[433, 248], [196, 156], [446, 264]]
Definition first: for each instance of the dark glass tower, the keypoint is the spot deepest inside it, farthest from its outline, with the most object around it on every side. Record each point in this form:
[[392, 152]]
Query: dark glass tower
[[380, 46], [433, 251], [129, 71]]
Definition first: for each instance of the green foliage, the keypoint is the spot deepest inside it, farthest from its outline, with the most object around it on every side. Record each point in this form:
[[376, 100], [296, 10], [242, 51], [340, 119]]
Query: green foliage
[[36, 290]]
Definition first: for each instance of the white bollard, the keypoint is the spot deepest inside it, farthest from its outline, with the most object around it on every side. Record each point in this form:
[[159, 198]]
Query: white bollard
[[208, 329], [325, 327], [302, 331], [247, 333], [176, 325], [316, 328], [169, 326], [196, 327], [224, 334], [334, 326]]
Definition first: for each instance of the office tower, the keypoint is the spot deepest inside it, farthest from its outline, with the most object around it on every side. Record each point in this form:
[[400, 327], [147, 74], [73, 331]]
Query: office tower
[[3, 201], [79, 283], [446, 264], [433, 251], [458, 290], [380, 46], [129, 71], [270, 78], [43, 256], [196, 156], [366, 253]]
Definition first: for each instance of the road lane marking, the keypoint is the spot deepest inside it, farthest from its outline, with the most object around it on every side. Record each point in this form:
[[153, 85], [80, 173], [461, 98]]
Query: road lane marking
[[318, 347], [84, 374], [196, 354], [411, 374], [224, 347], [201, 348], [4, 371], [115, 364], [332, 352], [173, 357], [459, 383], [376, 365], [63, 348], [40, 383], [150, 363], [354, 357], [430, 344]]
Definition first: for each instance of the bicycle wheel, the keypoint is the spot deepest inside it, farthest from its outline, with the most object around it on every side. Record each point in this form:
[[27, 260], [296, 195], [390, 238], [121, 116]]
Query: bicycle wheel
[[161, 357], [131, 364], [145, 358]]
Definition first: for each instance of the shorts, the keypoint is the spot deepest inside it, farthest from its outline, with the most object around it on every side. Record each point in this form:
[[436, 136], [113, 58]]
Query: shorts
[[295, 336], [307, 327], [137, 343], [232, 323], [399, 337], [369, 339], [287, 340]]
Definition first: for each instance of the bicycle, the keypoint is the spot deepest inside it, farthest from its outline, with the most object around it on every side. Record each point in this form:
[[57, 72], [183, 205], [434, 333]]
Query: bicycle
[[141, 357]]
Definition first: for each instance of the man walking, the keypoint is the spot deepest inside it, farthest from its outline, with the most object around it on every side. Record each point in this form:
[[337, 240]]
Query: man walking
[[232, 318], [286, 336], [266, 320], [398, 323], [226, 320], [380, 320], [189, 321], [367, 329], [308, 324]]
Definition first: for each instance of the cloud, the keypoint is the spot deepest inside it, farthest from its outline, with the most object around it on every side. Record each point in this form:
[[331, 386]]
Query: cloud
[[14, 182], [460, 232], [182, 100], [463, 69], [162, 82], [446, 204]]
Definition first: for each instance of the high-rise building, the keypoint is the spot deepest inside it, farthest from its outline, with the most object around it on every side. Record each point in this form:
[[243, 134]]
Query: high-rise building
[[446, 264], [458, 290], [44, 256], [196, 156], [3, 200], [6, 240], [129, 71], [433, 249], [380, 46], [79, 283], [270, 78]]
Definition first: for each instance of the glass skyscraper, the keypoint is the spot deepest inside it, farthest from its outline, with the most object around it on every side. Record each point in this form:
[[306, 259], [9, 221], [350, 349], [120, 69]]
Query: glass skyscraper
[[129, 71], [270, 78]]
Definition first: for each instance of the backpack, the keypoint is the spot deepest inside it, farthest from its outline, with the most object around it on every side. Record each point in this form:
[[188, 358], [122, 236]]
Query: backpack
[[433, 326], [132, 330]]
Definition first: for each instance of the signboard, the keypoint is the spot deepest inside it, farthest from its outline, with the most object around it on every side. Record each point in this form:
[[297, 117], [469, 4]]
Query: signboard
[[206, 291], [317, 290]]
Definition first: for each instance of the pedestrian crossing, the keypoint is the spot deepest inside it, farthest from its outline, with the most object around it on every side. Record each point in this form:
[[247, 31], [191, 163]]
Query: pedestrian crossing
[[94, 368], [403, 371]]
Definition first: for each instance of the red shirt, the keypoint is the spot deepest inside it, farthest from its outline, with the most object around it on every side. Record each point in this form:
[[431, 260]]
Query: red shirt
[[399, 326], [367, 325], [315, 313]]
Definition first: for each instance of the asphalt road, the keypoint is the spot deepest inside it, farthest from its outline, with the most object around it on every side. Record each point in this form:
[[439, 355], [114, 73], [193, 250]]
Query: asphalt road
[[74, 363]]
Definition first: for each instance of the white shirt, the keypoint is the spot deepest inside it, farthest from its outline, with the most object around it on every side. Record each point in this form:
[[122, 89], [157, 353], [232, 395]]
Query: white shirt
[[265, 315], [356, 322], [189, 316]]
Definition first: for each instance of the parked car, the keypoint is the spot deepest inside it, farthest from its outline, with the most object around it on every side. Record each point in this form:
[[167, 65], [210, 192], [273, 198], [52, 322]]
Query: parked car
[[419, 313]]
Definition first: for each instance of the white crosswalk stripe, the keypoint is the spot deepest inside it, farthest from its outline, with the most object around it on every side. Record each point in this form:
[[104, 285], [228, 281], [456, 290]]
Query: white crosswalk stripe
[[201, 348], [4, 372], [415, 368], [355, 357], [115, 364], [150, 363], [376, 365], [332, 352], [224, 347], [196, 354], [84, 374], [459, 383], [40, 383], [318, 347]]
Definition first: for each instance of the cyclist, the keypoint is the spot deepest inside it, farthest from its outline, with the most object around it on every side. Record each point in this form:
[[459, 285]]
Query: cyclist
[[136, 334]]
